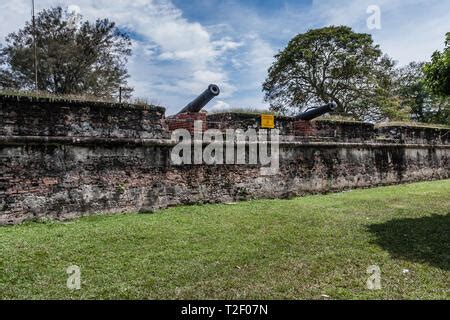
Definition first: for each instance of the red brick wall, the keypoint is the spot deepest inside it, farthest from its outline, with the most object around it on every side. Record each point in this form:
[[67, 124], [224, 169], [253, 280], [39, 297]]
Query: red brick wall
[[186, 121], [304, 128]]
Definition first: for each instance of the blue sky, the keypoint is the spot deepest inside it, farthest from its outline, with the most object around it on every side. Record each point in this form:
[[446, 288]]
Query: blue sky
[[181, 46]]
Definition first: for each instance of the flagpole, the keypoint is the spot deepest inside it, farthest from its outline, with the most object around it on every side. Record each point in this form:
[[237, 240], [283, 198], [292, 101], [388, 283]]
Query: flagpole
[[35, 48]]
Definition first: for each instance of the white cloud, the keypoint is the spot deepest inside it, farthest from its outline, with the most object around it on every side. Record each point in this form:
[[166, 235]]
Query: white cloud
[[166, 36], [260, 57], [174, 58], [220, 105], [74, 9], [410, 30], [13, 15]]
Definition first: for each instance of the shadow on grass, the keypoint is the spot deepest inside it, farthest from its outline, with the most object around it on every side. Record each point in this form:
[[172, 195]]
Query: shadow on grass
[[425, 240]]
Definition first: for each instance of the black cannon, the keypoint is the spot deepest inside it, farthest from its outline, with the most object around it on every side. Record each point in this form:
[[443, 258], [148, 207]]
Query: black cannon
[[202, 100], [316, 112]]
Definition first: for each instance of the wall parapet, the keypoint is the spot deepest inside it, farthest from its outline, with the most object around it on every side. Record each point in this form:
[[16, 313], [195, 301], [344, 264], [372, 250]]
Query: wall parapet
[[28, 116], [413, 133]]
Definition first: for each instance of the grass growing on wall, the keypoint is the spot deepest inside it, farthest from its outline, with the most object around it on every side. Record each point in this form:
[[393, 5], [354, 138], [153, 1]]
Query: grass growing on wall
[[254, 111], [32, 94], [413, 124], [54, 96], [298, 249]]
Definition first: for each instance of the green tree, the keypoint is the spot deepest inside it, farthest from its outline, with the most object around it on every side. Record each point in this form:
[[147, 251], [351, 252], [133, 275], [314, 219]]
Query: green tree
[[333, 64], [415, 95], [74, 56], [437, 72]]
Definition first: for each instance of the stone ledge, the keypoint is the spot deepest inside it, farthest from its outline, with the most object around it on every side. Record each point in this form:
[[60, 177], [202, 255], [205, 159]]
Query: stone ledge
[[20, 140]]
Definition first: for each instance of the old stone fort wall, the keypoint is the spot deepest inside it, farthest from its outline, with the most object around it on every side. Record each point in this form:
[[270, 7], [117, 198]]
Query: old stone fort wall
[[63, 159]]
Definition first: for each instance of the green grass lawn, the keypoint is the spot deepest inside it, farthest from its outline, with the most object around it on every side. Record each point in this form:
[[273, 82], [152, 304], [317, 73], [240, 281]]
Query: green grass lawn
[[267, 249]]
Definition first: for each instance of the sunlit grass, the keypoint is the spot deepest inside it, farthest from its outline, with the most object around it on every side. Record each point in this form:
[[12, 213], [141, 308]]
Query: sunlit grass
[[267, 249]]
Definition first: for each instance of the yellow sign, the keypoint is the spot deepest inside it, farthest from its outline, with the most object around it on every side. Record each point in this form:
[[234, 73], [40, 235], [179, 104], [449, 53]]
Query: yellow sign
[[267, 121]]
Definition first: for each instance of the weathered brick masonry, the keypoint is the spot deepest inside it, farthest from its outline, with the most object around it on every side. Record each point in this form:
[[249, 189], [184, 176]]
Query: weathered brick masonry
[[25, 116], [65, 159], [186, 121]]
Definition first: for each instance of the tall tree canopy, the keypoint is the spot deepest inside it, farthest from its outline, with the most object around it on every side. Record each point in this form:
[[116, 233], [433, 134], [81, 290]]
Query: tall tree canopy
[[333, 64], [437, 72], [414, 94], [74, 57]]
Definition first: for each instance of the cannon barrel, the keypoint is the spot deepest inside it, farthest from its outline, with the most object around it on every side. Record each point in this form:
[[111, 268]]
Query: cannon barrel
[[202, 100], [316, 112]]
